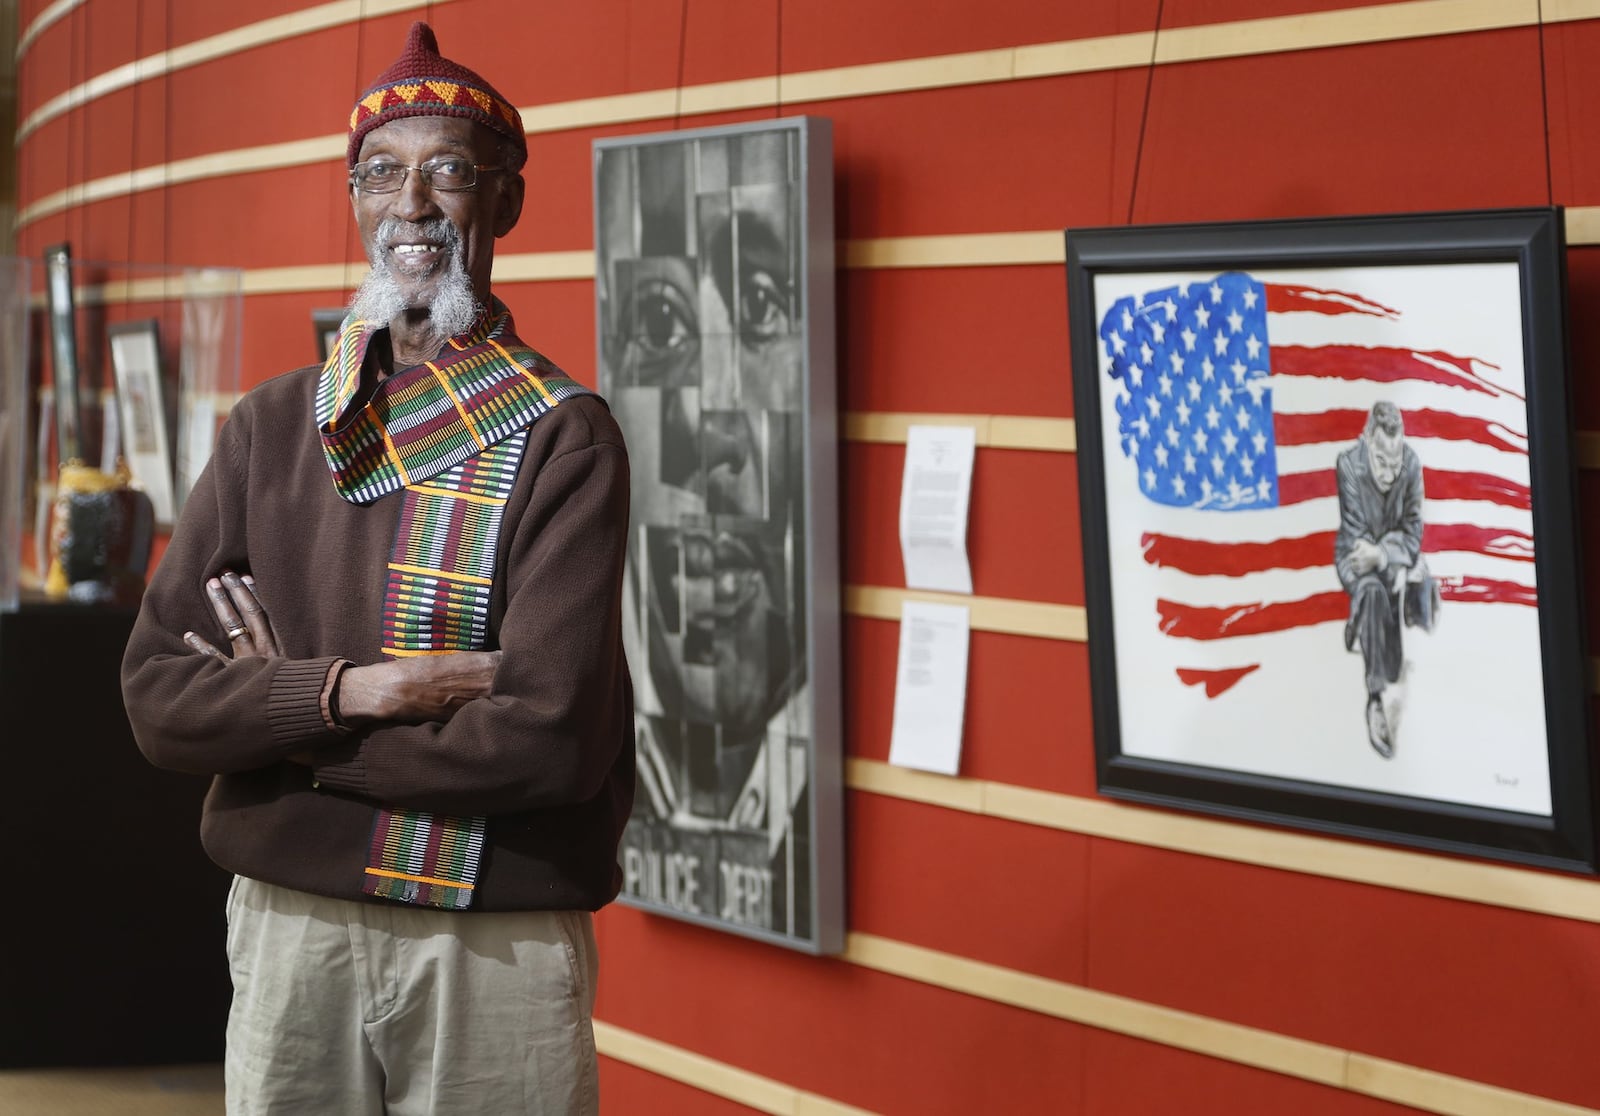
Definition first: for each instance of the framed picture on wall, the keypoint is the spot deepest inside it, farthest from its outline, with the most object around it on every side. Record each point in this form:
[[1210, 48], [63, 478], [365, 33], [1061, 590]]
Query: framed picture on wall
[[142, 413], [714, 284], [1327, 485], [325, 325]]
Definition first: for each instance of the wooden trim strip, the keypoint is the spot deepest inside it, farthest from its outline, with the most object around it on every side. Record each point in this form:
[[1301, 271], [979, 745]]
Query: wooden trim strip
[[1568, 11], [711, 1076], [986, 614], [235, 41], [1546, 893], [1383, 23], [1104, 1011], [1318, 1062], [993, 431], [222, 164], [44, 19], [1004, 249], [1392, 22], [1213, 1038]]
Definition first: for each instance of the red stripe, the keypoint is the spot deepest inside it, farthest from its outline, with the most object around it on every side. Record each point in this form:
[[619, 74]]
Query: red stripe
[[1208, 558], [1440, 484], [1296, 488], [1258, 618], [1196, 622], [430, 855], [380, 834], [1347, 425], [1283, 298], [1486, 591], [1215, 681], [1437, 484], [1380, 364], [1205, 558]]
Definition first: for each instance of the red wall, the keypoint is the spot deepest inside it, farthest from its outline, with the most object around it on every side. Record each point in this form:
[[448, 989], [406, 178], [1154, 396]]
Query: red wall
[[1491, 118]]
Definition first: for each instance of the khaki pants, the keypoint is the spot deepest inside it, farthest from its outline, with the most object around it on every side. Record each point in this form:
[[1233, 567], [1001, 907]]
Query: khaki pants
[[381, 1009]]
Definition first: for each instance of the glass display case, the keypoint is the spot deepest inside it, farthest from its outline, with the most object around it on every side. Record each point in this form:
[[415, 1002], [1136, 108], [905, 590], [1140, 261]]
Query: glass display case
[[113, 380]]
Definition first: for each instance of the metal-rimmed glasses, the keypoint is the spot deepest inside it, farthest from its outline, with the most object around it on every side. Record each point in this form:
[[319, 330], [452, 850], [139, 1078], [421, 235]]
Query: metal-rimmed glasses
[[445, 172]]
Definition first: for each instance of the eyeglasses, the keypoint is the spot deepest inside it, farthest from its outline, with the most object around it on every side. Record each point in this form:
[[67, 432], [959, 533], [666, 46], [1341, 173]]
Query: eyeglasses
[[447, 172]]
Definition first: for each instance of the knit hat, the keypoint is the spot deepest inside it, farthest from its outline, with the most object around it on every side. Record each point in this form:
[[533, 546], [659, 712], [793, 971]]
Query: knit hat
[[420, 83]]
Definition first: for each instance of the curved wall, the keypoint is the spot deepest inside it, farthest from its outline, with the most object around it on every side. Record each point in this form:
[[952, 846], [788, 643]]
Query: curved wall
[[1016, 944]]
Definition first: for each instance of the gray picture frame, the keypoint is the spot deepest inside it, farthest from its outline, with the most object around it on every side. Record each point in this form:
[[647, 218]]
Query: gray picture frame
[[136, 363], [65, 369], [714, 296]]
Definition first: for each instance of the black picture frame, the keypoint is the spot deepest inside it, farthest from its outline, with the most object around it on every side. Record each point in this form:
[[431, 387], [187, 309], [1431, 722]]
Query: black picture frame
[[1194, 554]]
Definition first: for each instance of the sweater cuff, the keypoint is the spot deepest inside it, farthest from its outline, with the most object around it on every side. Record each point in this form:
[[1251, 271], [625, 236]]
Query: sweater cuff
[[330, 697], [295, 702]]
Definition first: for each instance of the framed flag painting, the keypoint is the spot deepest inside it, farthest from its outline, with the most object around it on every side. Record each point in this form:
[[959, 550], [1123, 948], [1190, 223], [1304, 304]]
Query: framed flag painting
[[1328, 497]]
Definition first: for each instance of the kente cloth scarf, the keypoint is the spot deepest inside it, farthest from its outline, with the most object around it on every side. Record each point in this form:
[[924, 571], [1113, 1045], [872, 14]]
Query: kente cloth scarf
[[450, 433]]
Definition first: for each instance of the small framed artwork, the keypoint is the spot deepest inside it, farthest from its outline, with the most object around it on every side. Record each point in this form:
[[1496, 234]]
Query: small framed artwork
[[141, 411], [325, 324], [63, 351], [1327, 491]]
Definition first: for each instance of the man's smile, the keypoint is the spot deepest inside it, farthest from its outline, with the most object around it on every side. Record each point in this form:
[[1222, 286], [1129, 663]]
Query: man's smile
[[417, 257]]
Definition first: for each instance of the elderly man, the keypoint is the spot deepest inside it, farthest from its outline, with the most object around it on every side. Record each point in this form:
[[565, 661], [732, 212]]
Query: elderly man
[[388, 624], [1378, 555]]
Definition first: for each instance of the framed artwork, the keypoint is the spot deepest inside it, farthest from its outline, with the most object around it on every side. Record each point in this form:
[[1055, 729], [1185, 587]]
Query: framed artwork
[[325, 325], [142, 413], [714, 284], [1327, 492], [63, 351]]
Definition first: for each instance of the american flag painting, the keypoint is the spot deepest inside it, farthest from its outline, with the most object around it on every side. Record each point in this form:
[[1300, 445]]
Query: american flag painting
[[1225, 398]]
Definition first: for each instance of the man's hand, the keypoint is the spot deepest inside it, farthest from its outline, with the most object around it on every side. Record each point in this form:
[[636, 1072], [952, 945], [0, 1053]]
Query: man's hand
[[1366, 556], [239, 611], [402, 691], [412, 691]]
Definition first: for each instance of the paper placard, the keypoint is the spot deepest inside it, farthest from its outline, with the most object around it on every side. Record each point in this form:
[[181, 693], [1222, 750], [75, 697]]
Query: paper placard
[[934, 495], [930, 697]]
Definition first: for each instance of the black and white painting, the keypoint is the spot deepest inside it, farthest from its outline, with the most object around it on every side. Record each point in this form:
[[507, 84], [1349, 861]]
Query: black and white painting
[[714, 288]]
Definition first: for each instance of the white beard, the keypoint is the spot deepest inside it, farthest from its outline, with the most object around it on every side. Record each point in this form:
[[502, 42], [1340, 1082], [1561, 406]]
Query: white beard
[[379, 298]]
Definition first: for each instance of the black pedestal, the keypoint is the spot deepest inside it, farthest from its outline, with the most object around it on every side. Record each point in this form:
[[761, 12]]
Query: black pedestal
[[112, 937]]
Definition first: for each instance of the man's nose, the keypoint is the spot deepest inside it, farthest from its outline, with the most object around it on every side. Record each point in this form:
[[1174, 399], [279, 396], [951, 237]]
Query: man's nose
[[415, 198]]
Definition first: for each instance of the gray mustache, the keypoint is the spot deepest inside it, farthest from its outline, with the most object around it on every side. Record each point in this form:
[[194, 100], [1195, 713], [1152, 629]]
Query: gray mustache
[[439, 230]]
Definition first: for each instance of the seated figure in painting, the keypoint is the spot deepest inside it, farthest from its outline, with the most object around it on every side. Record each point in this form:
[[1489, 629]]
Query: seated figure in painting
[[1378, 555]]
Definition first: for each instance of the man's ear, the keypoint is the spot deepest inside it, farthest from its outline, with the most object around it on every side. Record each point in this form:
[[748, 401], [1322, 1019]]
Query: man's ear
[[509, 211]]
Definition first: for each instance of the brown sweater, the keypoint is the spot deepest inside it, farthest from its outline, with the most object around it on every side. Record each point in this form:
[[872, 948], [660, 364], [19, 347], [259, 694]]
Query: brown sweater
[[548, 757]]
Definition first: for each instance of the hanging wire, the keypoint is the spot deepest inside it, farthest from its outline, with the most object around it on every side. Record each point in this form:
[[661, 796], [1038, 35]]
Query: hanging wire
[[77, 125], [1544, 104], [777, 107], [1144, 111], [166, 149], [349, 236], [133, 132], [683, 53]]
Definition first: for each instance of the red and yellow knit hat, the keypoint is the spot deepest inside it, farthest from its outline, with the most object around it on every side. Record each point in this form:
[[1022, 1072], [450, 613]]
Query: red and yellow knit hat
[[420, 83]]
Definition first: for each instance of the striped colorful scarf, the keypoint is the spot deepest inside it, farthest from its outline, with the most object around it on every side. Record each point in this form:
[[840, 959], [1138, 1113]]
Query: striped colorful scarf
[[449, 433]]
